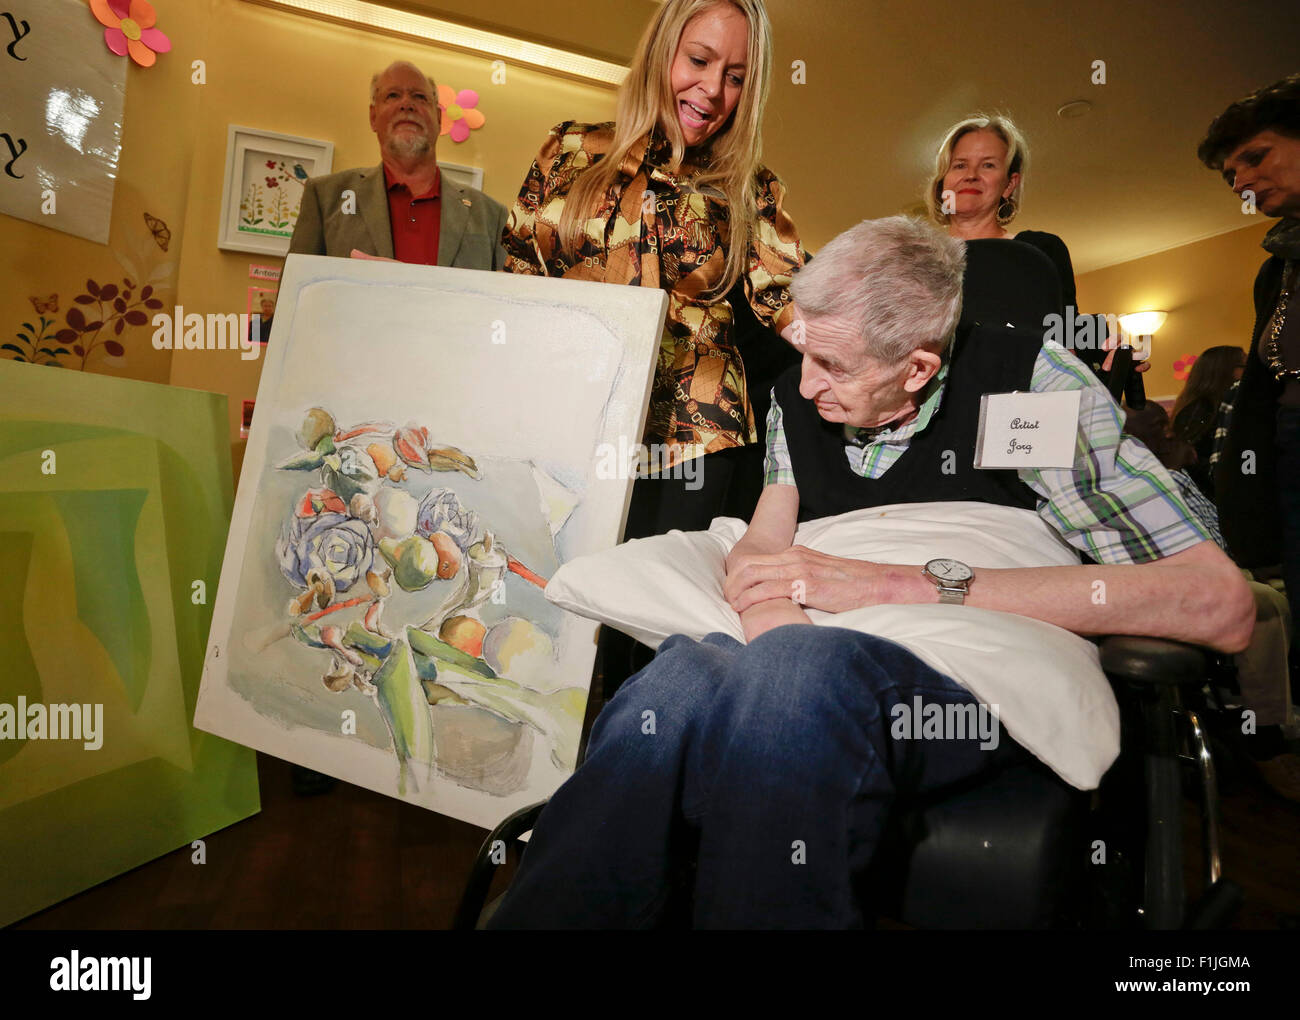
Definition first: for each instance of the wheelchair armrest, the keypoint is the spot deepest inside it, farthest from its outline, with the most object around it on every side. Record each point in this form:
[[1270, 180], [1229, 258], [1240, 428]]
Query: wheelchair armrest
[[1153, 661], [475, 896]]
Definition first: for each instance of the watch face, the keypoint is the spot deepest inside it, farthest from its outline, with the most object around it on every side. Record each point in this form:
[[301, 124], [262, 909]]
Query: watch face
[[949, 570]]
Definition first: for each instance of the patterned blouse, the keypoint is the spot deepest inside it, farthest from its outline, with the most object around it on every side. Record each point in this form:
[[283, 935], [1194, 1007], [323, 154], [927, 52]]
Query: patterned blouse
[[677, 241]]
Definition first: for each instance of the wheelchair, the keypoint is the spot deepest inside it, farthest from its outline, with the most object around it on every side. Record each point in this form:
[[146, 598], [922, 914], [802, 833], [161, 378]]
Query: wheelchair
[[1021, 849]]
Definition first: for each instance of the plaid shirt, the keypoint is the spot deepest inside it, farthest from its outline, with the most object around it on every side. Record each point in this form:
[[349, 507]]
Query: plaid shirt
[[1117, 504], [1206, 512], [1226, 408]]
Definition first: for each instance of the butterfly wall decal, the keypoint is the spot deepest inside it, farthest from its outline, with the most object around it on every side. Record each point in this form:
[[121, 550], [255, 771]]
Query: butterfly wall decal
[[49, 304], [159, 229]]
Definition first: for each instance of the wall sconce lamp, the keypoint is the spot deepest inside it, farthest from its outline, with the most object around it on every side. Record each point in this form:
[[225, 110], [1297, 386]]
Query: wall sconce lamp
[[1139, 328], [1142, 323]]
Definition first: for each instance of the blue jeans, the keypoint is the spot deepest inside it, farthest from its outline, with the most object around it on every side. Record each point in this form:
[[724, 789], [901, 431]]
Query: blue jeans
[[771, 763]]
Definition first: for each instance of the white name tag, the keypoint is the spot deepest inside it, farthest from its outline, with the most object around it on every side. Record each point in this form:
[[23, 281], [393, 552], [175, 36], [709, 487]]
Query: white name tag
[[1019, 430]]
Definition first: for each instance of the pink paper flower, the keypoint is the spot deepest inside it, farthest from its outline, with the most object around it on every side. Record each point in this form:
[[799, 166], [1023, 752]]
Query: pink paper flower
[[129, 29], [1183, 366], [458, 114]]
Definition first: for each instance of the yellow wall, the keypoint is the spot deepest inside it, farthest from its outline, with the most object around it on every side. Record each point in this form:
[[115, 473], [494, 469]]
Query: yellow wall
[[1206, 288], [158, 135], [282, 72]]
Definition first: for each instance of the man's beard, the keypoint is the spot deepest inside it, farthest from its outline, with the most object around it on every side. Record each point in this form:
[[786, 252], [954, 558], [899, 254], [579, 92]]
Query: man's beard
[[408, 146]]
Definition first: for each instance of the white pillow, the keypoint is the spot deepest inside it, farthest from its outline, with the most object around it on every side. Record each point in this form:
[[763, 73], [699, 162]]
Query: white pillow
[[1047, 684]]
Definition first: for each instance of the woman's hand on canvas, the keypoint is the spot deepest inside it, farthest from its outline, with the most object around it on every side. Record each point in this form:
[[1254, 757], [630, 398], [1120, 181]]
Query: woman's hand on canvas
[[357, 253]]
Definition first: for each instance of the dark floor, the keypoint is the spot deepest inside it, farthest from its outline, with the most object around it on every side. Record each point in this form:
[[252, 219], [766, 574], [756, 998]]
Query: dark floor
[[354, 859]]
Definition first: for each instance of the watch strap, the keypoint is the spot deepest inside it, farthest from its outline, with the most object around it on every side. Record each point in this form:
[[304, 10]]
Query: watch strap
[[952, 596]]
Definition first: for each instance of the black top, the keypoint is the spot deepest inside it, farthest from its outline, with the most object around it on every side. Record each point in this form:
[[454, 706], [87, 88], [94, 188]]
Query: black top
[[1289, 350], [1245, 488], [1195, 424], [1054, 248], [938, 465]]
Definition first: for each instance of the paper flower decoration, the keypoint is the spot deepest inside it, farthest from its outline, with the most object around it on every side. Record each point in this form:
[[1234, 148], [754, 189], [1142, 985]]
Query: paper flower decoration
[[129, 29], [1183, 366], [458, 114]]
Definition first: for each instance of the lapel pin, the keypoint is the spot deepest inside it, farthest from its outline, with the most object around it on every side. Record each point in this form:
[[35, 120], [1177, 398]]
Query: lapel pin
[[467, 201]]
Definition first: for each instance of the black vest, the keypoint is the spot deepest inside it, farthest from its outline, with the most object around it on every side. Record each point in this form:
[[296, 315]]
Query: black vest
[[985, 359]]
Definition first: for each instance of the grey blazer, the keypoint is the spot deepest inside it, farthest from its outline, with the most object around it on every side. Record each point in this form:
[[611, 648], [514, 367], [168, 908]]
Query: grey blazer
[[469, 235]]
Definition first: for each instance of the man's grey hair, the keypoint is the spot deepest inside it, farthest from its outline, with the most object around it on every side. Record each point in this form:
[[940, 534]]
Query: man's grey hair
[[374, 80], [896, 282]]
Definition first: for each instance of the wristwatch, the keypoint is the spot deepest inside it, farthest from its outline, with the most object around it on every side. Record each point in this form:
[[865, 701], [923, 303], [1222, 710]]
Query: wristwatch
[[952, 578]]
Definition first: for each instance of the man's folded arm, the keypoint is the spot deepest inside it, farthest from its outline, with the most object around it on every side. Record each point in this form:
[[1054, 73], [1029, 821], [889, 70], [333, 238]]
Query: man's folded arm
[[1196, 595], [771, 530]]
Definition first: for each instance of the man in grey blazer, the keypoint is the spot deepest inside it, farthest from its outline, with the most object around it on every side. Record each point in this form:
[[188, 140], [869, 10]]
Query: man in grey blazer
[[438, 222]]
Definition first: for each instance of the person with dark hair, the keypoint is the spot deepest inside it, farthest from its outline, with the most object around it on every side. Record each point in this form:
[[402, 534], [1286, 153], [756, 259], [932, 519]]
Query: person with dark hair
[[1196, 411], [1255, 144], [1261, 668]]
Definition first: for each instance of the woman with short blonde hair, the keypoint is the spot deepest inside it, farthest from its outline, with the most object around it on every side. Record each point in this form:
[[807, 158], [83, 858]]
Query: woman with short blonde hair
[[977, 187], [1017, 160]]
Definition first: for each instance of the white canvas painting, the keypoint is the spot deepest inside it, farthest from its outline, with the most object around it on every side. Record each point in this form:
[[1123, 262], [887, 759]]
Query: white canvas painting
[[423, 456], [61, 130]]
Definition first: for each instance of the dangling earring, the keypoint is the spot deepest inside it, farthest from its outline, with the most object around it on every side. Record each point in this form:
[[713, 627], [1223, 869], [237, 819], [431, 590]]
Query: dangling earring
[[1007, 210]]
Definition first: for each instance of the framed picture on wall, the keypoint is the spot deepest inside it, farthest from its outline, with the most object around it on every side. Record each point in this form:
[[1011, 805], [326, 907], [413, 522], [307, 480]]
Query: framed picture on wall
[[265, 173], [465, 176]]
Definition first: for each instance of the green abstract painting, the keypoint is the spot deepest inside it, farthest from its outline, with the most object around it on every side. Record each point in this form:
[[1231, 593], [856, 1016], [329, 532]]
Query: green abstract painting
[[115, 498]]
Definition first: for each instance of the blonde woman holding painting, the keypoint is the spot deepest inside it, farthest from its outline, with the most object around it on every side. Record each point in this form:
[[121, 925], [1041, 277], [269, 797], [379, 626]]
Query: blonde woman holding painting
[[672, 195]]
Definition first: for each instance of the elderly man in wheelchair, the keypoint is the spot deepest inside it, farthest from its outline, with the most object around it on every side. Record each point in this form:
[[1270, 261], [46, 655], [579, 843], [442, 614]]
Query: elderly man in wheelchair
[[910, 621]]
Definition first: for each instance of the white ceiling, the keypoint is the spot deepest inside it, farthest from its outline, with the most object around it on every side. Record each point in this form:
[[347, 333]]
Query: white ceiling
[[885, 78]]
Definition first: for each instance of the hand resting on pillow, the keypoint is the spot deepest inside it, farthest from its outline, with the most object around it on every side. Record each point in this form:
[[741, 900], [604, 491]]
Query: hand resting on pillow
[[1194, 595]]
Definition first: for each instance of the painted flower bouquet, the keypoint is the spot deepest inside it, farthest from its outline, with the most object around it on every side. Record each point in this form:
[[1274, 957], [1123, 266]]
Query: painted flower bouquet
[[360, 541]]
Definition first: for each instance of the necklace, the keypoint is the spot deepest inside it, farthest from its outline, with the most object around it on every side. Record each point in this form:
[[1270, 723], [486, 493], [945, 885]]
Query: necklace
[[1272, 346]]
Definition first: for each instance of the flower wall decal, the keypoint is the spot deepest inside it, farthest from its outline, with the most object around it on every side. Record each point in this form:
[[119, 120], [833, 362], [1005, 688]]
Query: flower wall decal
[[129, 29], [459, 115], [1183, 366]]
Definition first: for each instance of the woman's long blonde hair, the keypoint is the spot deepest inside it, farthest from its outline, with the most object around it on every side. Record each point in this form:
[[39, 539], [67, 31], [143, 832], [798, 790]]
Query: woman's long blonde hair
[[645, 102]]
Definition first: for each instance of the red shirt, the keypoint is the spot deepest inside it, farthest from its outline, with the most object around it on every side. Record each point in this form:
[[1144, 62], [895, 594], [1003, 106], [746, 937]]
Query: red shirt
[[416, 221]]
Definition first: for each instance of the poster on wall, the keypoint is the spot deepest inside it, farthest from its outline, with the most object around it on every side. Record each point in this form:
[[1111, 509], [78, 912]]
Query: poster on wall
[[61, 120], [265, 174], [411, 481], [465, 176], [114, 501]]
